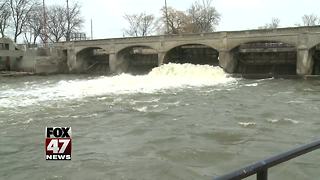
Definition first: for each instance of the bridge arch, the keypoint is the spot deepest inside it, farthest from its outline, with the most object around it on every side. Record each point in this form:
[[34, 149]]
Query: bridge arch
[[194, 53], [92, 60], [136, 59], [265, 57], [314, 53]]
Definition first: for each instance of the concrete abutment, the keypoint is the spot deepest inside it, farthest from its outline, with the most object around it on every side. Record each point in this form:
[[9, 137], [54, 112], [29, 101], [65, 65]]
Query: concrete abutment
[[304, 62], [227, 61], [161, 56]]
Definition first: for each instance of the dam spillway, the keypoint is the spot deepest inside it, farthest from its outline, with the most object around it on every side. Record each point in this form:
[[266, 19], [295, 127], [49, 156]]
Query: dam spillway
[[284, 51]]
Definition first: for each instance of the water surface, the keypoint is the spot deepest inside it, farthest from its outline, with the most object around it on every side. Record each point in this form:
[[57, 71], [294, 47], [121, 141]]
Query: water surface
[[178, 122]]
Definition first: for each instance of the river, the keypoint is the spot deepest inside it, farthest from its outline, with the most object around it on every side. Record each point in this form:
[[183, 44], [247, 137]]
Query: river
[[177, 122]]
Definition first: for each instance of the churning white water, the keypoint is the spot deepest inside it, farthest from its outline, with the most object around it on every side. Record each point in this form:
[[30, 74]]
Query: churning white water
[[164, 77]]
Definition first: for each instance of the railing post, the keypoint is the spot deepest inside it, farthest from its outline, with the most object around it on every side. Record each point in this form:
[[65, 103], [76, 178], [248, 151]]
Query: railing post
[[262, 175]]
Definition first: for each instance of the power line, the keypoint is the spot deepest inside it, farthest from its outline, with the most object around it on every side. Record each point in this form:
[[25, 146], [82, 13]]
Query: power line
[[91, 30]]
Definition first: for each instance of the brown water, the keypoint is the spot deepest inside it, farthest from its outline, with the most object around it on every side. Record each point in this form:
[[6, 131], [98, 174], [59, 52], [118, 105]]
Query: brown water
[[153, 130]]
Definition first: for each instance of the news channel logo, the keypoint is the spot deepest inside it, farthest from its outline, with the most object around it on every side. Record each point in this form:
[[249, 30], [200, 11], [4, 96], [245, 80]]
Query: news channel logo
[[58, 143]]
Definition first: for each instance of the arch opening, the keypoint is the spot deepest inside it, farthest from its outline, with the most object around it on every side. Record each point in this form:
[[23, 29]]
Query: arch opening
[[137, 59], [93, 60], [316, 59], [265, 57], [194, 54]]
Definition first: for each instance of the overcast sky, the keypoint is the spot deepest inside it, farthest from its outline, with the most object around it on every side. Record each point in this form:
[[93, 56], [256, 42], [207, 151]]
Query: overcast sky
[[108, 21]]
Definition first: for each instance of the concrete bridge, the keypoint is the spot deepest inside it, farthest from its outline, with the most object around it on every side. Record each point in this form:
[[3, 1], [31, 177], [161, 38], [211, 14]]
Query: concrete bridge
[[284, 50]]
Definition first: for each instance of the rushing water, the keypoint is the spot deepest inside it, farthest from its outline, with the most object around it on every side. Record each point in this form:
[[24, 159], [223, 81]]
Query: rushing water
[[177, 122]]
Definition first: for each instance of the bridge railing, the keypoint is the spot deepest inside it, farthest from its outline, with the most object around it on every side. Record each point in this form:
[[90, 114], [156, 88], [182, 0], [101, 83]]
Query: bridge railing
[[266, 45], [260, 168]]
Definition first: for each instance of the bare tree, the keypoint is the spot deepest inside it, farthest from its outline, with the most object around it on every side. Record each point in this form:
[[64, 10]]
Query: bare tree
[[27, 35], [204, 17], [34, 25], [56, 23], [74, 21], [147, 24], [4, 16], [273, 25], [275, 22], [200, 17], [20, 12], [310, 20], [134, 23], [175, 20], [140, 24]]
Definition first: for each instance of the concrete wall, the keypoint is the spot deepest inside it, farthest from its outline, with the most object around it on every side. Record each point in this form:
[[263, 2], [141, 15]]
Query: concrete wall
[[9, 57], [39, 60], [44, 61], [28, 61]]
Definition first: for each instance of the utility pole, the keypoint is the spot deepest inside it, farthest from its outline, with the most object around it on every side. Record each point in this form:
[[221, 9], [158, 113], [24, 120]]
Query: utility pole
[[166, 11], [45, 25], [68, 23], [91, 30]]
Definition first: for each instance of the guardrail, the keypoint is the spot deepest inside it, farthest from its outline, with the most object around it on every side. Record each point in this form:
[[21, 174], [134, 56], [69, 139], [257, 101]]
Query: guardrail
[[265, 45], [260, 168]]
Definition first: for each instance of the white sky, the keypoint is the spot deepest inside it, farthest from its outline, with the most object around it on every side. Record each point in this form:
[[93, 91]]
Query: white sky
[[108, 21]]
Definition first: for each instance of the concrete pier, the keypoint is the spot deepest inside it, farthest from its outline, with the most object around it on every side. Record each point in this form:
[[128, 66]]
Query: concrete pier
[[227, 61], [304, 62]]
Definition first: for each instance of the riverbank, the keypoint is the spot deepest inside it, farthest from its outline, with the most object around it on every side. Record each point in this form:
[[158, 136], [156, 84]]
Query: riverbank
[[15, 74]]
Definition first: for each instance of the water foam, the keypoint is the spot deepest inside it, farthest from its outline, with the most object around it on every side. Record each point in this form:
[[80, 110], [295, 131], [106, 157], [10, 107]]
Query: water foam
[[284, 120], [247, 124], [161, 78]]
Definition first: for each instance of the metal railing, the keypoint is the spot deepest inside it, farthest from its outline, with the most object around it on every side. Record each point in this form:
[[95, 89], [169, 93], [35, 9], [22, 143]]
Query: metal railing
[[260, 168]]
